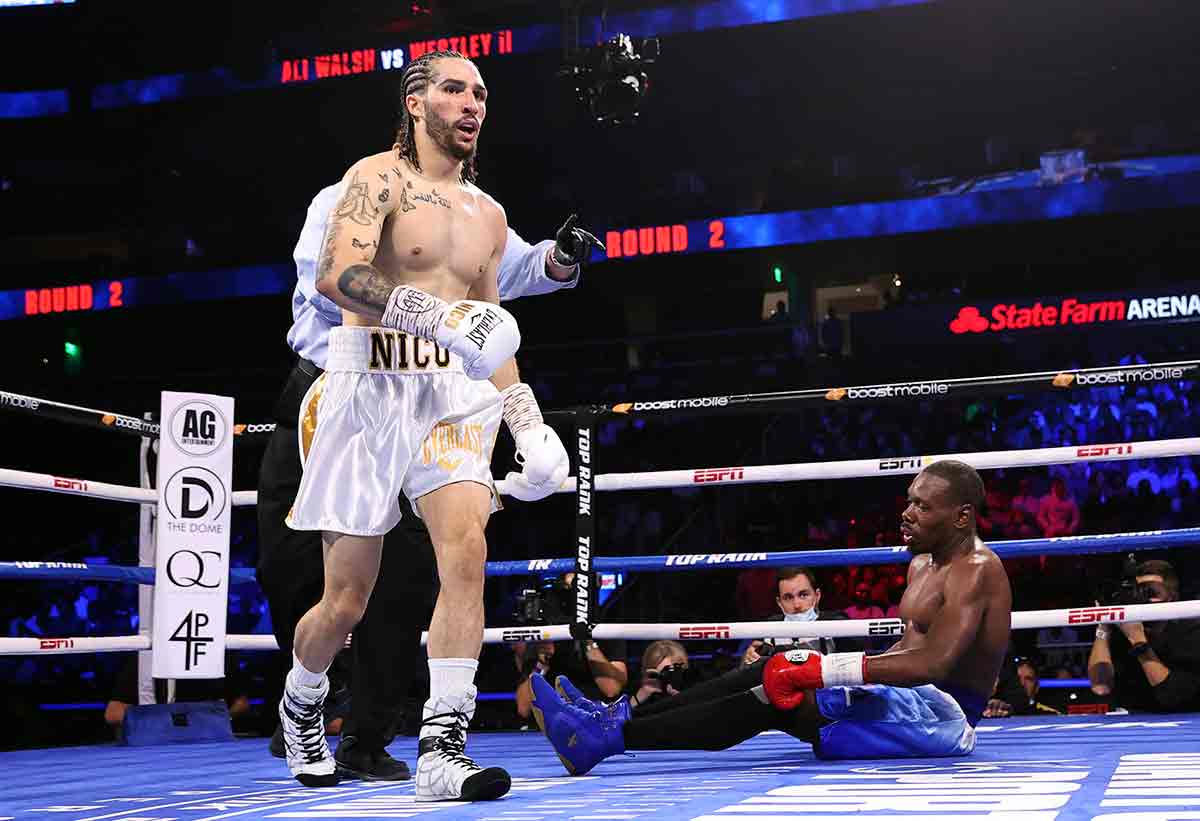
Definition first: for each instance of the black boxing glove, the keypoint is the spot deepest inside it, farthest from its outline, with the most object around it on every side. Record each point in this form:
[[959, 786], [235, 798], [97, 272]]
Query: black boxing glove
[[571, 244]]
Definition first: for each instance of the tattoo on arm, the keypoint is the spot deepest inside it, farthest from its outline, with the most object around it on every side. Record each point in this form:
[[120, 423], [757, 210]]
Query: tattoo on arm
[[356, 203], [365, 286], [325, 264]]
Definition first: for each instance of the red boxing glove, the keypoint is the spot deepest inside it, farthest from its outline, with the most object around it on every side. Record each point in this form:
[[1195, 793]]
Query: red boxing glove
[[787, 675]]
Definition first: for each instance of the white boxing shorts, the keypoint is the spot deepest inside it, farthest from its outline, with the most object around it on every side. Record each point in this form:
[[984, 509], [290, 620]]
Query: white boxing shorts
[[392, 413]]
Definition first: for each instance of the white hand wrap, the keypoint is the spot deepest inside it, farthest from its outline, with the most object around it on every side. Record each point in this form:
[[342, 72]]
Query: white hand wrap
[[540, 452], [842, 669], [484, 335]]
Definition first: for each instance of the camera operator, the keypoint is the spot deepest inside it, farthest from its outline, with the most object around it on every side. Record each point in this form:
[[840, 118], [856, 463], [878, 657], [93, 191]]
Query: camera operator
[[798, 597], [1153, 667], [599, 671]]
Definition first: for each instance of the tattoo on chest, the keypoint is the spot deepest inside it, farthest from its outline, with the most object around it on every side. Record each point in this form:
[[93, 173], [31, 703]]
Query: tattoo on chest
[[364, 246], [384, 177], [433, 198], [356, 204], [384, 194], [405, 205]]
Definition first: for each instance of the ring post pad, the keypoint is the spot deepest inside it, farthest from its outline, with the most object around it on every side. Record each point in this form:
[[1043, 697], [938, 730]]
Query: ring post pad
[[147, 725]]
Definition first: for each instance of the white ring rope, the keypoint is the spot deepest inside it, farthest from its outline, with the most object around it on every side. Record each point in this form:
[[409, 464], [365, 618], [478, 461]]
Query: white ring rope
[[850, 628], [694, 477]]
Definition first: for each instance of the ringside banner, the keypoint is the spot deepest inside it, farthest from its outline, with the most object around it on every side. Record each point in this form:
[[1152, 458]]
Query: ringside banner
[[195, 477], [1046, 316]]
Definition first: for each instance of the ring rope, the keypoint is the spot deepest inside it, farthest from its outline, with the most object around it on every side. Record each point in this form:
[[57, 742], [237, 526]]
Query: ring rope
[[703, 477], [1116, 375], [851, 628], [862, 556]]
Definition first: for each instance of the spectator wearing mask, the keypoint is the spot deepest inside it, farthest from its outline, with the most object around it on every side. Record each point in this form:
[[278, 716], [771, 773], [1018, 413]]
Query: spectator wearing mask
[[798, 597]]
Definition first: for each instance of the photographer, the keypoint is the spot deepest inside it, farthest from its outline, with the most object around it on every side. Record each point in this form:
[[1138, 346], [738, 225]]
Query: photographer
[[798, 597], [666, 672], [599, 670], [1153, 667]]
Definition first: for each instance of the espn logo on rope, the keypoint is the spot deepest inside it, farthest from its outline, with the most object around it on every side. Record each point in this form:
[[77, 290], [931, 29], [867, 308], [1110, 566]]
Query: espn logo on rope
[[703, 475], [720, 631], [889, 627], [1093, 451], [907, 463], [76, 485], [56, 644], [198, 428], [528, 634], [1095, 615]]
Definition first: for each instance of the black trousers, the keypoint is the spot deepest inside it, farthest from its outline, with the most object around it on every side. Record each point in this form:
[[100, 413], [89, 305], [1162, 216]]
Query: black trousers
[[386, 645]]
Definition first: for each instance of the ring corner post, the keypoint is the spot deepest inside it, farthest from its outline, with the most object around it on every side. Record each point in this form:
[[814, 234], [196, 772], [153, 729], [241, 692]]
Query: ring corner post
[[585, 520]]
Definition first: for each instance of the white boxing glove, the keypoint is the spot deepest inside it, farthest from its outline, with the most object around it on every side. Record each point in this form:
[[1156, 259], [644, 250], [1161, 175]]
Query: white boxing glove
[[541, 453], [484, 335]]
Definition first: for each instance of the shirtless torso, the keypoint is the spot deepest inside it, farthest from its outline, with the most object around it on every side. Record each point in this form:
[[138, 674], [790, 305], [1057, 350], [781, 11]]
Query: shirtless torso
[[930, 586], [446, 240]]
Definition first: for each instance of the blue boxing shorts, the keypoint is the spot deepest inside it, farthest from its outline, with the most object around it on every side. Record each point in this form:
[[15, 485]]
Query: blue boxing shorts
[[879, 721]]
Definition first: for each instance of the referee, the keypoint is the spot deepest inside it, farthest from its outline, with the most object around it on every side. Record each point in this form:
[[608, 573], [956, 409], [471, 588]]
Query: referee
[[385, 647]]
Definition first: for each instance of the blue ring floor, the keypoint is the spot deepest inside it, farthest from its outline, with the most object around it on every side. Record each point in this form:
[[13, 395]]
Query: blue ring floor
[[1115, 768]]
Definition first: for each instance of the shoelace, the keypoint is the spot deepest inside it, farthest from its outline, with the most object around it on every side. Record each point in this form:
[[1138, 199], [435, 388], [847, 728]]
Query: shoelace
[[453, 743], [309, 729]]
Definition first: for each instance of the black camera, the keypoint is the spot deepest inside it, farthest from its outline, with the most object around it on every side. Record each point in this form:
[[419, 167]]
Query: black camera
[[1126, 590], [610, 79], [548, 604], [679, 676]]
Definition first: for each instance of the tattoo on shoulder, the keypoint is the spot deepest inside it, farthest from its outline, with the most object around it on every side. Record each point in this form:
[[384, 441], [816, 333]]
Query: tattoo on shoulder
[[363, 284], [356, 204], [405, 204]]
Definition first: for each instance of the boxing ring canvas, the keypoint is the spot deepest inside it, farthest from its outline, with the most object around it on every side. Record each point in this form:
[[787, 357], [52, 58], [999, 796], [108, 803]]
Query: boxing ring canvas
[[1064, 768]]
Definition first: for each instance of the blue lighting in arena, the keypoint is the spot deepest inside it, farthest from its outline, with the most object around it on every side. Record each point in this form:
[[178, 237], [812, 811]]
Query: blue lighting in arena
[[1166, 182], [730, 14], [24, 104], [541, 37], [1019, 201]]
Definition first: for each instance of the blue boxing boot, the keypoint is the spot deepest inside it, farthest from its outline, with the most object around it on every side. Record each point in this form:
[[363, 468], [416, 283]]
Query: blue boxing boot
[[581, 739], [618, 711]]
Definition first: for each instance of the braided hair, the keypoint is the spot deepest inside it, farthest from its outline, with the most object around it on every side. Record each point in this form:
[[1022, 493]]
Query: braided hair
[[415, 80]]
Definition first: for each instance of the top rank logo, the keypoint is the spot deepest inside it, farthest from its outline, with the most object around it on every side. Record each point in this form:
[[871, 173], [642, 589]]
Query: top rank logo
[[198, 428]]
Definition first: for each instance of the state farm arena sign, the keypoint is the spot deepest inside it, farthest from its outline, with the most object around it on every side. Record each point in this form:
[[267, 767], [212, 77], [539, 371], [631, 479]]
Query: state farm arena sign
[[1036, 319], [1073, 312]]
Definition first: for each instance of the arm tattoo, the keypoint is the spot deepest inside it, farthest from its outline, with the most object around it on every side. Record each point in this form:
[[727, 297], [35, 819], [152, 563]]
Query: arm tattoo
[[365, 286], [325, 263], [356, 203]]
